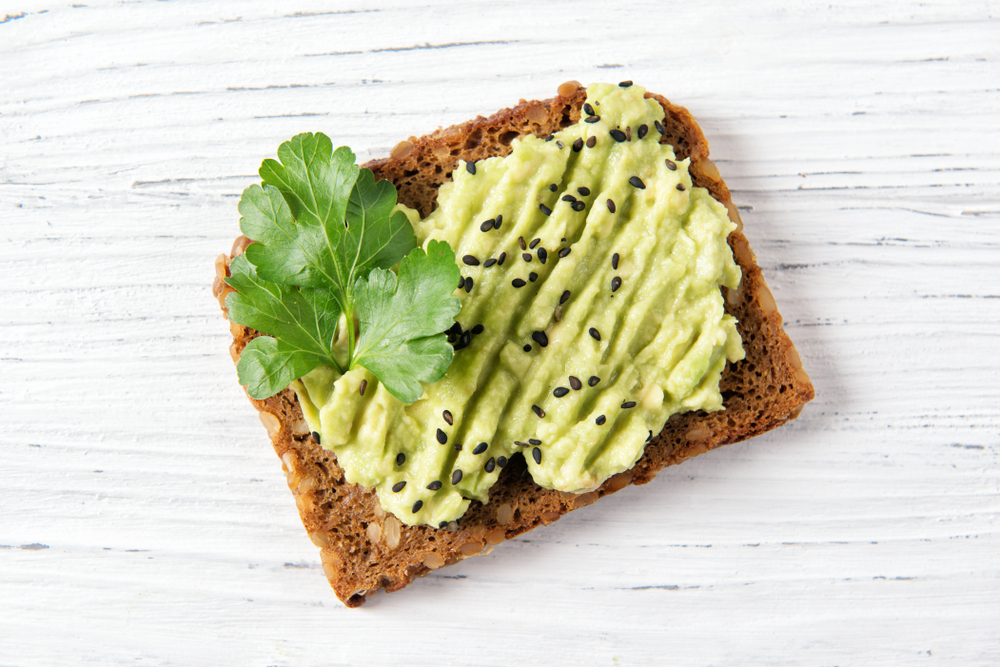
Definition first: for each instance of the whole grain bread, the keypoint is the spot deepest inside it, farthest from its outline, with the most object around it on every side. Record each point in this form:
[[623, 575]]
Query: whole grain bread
[[362, 547]]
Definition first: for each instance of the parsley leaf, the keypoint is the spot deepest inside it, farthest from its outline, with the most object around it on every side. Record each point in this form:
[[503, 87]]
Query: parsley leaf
[[400, 316], [320, 220], [375, 238], [303, 322], [326, 237]]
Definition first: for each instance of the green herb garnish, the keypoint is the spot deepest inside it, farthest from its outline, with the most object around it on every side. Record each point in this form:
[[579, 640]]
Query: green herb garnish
[[326, 239]]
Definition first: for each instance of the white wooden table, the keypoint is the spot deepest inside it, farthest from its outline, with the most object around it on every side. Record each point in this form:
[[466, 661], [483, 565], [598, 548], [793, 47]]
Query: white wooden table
[[143, 515]]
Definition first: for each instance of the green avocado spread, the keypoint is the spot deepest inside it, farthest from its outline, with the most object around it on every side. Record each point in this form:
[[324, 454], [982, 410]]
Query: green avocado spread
[[591, 313]]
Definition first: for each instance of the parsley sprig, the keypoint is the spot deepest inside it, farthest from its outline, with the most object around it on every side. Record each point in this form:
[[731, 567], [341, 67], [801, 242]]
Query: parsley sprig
[[326, 239]]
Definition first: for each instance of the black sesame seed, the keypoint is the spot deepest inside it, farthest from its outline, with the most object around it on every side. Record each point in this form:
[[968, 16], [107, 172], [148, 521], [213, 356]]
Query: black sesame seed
[[560, 144], [442, 524], [649, 437], [488, 225], [611, 206], [628, 133], [614, 261], [464, 340], [521, 243], [470, 260], [578, 145], [417, 505], [659, 127], [490, 465], [643, 129], [538, 411], [628, 404], [595, 334], [448, 418], [578, 206], [398, 486], [671, 165], [364, 385], [442, 437], [518, 443], [526, 256], [569, 198], [565, 251], [435, 485], [534, 441], [616, 282], [456, 477], [457, 447], [502, 461], [499, 221], [680, 186], [540, 338], [490, 262], [636, 182], [471, 167], [591, 142], [585, 191], [400, 459], [589, 110], [480, 448], [565, 295], [559, 392], [534, 242], [315, 436], [503, 256], [526, 348], [592, 119], [600, 420], [543, 255], [553, 187], [461, 282], [536, 454], [617, 135], [625, 84], [593, 380], [575, 383], [478, 329], [532, 276], [517, 282], [468, 284]]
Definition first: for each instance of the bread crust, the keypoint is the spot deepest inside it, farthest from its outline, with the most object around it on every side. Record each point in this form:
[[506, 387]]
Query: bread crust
[[362, 547]]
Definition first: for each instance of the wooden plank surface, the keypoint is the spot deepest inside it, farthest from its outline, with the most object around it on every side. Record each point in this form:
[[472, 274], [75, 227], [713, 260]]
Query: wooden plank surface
[[143, 516]]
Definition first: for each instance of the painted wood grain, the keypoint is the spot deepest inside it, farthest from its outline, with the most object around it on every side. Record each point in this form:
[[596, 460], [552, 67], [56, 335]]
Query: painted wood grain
[[144, 518]]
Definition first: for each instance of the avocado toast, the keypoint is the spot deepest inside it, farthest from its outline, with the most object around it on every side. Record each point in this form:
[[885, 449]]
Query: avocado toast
[[364, 547]]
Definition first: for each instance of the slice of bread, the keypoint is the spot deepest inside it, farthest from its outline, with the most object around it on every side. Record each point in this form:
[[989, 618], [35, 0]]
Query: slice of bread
[[362, 547]]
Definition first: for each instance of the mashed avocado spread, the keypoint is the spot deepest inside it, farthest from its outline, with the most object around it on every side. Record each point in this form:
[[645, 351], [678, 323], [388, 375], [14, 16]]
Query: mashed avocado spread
[[591, 312]]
